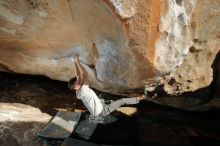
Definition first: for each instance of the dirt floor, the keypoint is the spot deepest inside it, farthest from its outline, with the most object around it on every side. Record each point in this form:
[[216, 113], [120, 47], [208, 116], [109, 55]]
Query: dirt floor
[[156, 125]]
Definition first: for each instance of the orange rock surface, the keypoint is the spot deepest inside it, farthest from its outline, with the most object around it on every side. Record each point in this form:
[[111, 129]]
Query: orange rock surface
[[122, 43]]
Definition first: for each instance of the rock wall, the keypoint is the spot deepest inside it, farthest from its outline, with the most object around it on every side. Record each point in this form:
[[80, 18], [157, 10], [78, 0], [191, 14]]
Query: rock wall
[[125, 45], [196, 70]]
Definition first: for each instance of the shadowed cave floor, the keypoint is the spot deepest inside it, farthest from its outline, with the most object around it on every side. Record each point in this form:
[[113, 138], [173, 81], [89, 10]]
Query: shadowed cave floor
[[156, 125]]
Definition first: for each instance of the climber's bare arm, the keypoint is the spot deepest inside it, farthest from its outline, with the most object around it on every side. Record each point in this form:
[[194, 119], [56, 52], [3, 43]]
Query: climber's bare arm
[[81, 72]]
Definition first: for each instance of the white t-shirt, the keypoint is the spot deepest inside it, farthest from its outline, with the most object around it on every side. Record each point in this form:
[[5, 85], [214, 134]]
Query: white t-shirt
[[90, 100]]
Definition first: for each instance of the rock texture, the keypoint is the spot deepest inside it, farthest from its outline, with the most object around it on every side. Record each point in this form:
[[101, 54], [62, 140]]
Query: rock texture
[[18, 126], [27, 102], [123, 44], [23, 113], [196, 70]]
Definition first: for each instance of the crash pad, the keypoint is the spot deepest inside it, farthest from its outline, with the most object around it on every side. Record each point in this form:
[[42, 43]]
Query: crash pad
[[61, 126], [113, 130]]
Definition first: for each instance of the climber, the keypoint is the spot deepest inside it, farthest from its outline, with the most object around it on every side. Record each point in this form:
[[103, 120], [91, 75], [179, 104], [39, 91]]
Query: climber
[[96, 106]]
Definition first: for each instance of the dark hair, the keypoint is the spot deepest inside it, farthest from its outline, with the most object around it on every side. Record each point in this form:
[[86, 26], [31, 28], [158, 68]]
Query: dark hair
[[71, 82]]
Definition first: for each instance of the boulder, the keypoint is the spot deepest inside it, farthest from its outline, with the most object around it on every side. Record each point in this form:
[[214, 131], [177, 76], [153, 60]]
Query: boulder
[[124, 45], [20, 123]]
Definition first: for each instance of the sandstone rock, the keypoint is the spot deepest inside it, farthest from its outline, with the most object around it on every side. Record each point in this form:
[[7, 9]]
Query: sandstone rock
[[196, 70], [122, 43], [21, 113], [130, 111], [125, 8], [19, 124]]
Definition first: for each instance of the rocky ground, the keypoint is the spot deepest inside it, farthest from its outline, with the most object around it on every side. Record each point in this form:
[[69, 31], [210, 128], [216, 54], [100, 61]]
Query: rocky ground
[[27, 103]]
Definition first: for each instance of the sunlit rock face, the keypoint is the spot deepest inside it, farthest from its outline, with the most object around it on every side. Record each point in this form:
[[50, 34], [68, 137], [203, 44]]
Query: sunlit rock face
[[122, 43], [14, 112], [40, 37], [196, 70], [19, 124]]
